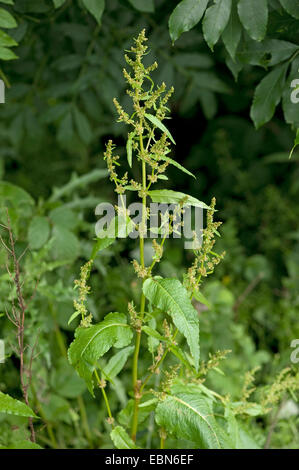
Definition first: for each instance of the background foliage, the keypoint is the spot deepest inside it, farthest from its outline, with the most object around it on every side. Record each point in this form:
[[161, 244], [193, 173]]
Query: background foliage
[[232, 64]]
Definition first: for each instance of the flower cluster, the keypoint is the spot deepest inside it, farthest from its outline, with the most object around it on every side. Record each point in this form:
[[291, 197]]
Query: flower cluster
[[144, 142], [84, 290], [112, 162], [205, 258]]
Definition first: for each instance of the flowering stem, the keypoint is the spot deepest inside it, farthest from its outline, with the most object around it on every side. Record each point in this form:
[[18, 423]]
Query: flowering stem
[[136, 384], [105, 397]]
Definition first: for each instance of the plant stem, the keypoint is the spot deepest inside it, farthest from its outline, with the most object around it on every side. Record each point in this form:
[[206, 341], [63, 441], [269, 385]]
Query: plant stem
[[136, 383], [273, 425], [157, 366], [162, 442], [105, 397]]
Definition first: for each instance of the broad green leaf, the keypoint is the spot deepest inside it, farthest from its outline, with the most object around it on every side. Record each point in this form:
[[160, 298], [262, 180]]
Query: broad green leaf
[[93, 342], [232, 427], [267, 95], [7, 20], [176, 164], [193, 60], [234, 67], [64, 244], [14, 195], [83, 126], [254, 17], [154, 120], [7, 54], [188, 414], [292, 7], [121, 439], [38, 232], [279, 50], [210, 81], [215, 21], [96, 8], [129, 148], [68, 62], [56, 409], [232, 34], [65, 135], [265, 53], [185, 16], [22, 445], [65, 381], [6, 40], [246, 441], [64, 217], [146, 6], [7, 2], [174, 197], [12, 406], [55, 112], [240, 438], [116, 363], [208, 102], [171, 297], [58, 3]]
